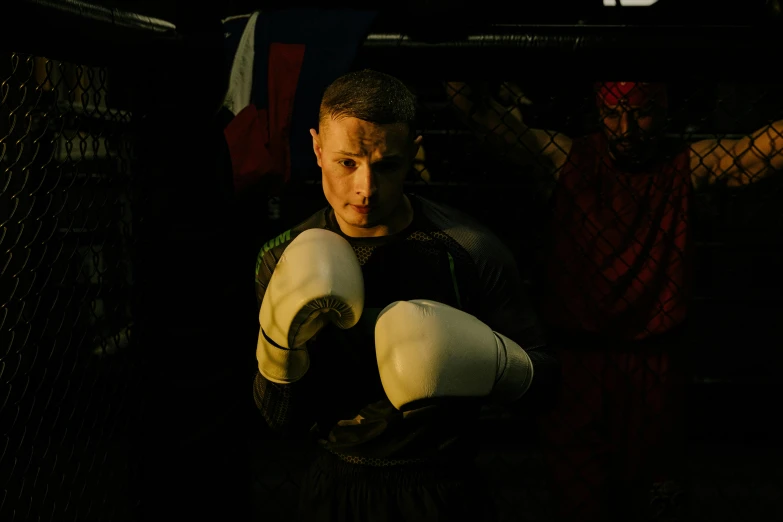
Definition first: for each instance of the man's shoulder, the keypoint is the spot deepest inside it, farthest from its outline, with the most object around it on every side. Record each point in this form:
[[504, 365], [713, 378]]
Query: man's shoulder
[[469, 233], [273, 248], [445, 215], [584, 155], [594, 141], [676, 148]]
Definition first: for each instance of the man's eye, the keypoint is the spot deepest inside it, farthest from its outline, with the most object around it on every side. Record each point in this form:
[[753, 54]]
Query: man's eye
[[347, 163]]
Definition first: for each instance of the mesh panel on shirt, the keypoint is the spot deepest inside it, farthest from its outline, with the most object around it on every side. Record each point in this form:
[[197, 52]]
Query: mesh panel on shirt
[[363, 253]]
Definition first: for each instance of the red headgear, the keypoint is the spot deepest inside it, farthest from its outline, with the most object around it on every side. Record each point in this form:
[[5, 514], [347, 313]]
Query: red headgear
[[632, 93]]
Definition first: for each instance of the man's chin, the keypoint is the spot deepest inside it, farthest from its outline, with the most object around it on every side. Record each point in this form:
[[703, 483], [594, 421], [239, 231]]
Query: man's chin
[[362, 224], [361, 220]]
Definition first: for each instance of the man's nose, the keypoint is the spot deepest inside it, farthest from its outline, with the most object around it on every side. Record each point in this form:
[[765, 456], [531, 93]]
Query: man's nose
[[365, 182], [627, 124]]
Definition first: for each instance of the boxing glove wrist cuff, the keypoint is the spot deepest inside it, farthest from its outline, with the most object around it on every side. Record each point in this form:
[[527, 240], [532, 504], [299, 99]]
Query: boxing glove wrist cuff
[[515, 371], [279, 364]]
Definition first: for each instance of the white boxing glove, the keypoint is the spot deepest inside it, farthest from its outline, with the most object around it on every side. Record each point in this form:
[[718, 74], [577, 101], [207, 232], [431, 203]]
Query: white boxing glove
[[317, 280], [428, 350]]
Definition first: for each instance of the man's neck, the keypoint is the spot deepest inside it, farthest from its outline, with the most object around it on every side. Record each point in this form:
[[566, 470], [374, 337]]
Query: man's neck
[[396, 222]]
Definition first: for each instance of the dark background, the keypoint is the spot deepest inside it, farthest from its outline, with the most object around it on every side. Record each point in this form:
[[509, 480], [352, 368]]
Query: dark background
[[191, 426]]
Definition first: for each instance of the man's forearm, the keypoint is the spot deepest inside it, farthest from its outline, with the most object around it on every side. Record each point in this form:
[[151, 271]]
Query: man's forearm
[[282, 405], [756, 156], [492, 124], [771, 138]]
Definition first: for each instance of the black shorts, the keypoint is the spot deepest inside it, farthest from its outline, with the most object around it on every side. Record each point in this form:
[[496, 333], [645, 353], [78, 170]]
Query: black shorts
[[336, 491]]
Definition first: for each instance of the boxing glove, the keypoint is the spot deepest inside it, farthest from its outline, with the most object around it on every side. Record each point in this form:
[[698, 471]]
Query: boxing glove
[[316, 281], [428, 350]]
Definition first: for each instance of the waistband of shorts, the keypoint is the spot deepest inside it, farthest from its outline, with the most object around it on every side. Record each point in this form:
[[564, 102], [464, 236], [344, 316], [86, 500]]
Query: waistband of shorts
[[422, 469], [382, 462]]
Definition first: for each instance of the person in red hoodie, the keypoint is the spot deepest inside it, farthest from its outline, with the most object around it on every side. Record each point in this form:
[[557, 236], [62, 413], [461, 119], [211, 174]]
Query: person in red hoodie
[[617, 285]]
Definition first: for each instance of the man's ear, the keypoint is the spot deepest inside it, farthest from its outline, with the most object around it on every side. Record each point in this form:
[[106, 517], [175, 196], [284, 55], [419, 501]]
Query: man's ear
[[316, 145]]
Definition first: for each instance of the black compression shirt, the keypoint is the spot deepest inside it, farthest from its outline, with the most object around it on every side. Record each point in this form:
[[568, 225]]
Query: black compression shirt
[[442, 256]]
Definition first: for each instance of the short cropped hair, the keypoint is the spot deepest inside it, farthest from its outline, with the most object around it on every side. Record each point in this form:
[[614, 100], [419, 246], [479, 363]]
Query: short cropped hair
[[371, 96]]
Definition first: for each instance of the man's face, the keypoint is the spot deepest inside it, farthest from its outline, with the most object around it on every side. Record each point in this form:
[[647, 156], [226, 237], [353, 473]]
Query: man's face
[[632, 130], [363, 168]]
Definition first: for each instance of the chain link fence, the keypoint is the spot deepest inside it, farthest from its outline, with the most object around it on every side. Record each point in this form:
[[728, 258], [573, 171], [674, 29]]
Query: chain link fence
[[65, 286], [613, 412], [116, 402], [698, 397]]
